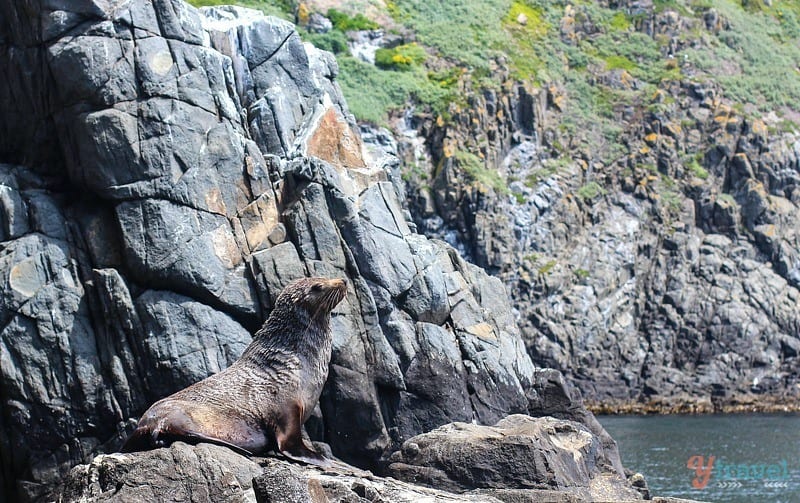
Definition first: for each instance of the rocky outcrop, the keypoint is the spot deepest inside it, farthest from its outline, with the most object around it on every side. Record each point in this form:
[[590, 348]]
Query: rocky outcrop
[[212, 473], [659, 277], [519, 452], [167, 171]]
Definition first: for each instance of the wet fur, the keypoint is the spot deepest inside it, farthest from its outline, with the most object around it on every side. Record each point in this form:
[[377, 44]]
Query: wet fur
[[261, 401]]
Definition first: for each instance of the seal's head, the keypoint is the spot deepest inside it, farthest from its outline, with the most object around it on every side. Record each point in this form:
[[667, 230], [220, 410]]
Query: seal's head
[[317, 296]]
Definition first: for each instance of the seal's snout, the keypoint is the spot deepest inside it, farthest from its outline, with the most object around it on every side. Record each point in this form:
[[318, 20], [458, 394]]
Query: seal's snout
[[338, 288]]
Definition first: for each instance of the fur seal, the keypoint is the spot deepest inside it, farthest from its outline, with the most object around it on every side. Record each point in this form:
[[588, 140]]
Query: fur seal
[[261, 401]]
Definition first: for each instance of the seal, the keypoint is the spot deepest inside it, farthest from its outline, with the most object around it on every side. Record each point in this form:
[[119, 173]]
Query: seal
[[261, 401]]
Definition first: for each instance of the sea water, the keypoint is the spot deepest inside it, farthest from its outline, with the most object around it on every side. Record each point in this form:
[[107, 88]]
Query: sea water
[[719, 458]]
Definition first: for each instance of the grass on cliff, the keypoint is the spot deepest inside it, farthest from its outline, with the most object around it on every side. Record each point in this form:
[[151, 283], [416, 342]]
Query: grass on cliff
[[279, 8], [756, 61]]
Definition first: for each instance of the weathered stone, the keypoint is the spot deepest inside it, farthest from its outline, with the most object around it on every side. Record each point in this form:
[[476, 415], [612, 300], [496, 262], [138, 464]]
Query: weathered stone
[[519, 452]]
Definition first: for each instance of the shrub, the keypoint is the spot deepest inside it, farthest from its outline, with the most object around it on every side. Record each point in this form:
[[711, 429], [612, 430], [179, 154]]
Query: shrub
[[343, 22], [402, 57], [475, 168], [334, 41], [591, 191], [697, 169]]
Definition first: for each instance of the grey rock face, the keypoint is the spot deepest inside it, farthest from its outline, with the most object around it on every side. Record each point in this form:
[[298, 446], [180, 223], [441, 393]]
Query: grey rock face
[[211, 473], [182, 473], [175, 169], [655, 281], [519, 452]]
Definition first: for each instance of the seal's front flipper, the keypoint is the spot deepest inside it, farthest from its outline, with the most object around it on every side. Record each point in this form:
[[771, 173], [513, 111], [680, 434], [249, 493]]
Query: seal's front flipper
[[305, 455], [290, 439]]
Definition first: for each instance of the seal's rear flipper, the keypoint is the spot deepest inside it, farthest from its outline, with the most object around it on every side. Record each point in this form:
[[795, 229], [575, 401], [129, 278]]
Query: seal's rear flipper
[[140, 440]]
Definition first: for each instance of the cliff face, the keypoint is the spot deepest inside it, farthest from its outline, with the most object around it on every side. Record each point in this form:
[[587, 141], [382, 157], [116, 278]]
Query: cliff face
[[165, 172], [658, 267]]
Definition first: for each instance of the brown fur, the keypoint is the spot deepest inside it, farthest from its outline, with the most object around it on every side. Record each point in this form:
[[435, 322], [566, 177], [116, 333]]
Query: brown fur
[[262, 400]]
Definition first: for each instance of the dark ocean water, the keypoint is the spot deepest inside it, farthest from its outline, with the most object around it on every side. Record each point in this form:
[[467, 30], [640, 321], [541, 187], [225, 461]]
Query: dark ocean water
[[755, 457]]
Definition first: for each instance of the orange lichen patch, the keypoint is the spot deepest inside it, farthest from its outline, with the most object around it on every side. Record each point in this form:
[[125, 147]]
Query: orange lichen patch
[[658, 96], [335, 142], [674, 129], [439, 121], [214, 202], [482, 330], [225, 247], [258, 219], [448, 149], [652, 138], [759, 127], [767, 230], [725, 115], [644, 150], [626, 79]]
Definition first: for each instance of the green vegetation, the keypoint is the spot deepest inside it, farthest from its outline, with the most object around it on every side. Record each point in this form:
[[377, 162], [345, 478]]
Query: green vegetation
[[671, 200], [581, 274], [756, 61], [591, 191], [279, 8], [620, 22], [334, 41], [343, 22], [371, 92], [402, 57], [696, 169], [547, 267], [550, 168], [475, 168], [758, 55]]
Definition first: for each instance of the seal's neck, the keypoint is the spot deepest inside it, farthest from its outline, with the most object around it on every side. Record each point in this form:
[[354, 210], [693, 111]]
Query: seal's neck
[[291, 328]]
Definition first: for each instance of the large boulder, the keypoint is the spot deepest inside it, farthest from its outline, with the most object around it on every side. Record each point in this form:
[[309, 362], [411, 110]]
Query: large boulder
[[519, 452]]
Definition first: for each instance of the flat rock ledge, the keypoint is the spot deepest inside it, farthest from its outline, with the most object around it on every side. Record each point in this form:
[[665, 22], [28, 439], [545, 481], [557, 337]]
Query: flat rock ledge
[[520, 459]]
